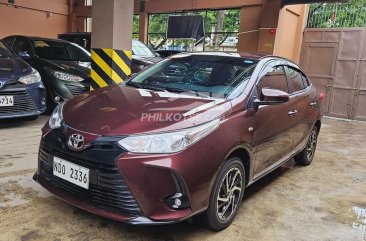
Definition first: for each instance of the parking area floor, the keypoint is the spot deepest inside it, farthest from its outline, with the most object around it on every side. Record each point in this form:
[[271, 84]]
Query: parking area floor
[[325, 201]]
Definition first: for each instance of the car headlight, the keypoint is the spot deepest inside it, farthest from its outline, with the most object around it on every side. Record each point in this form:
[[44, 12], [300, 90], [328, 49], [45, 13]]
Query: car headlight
[[141, 66], [56, 117], [169, 142], [66, 76], [31, 78]]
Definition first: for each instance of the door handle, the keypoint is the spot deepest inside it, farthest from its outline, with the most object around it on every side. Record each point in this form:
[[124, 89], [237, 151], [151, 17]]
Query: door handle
[[292, 113], [312, 104]]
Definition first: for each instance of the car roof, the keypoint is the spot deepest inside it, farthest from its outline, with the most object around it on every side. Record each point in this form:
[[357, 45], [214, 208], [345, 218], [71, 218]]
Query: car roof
[[36, 38]]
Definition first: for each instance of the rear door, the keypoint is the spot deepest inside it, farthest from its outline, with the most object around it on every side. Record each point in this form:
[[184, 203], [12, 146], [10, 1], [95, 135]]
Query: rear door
[[304, 97], [274, 124]]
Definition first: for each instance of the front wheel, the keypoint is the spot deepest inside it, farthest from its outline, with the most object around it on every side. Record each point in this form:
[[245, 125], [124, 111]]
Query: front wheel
[[226, 195], [306, 156]]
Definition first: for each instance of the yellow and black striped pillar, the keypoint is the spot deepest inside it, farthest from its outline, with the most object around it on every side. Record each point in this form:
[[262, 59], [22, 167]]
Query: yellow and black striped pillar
[[109, 66]]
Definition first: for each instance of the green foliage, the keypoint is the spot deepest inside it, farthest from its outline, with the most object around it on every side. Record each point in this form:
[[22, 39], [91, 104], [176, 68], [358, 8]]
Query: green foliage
[[338, 15], [135, 28], [158, 25]]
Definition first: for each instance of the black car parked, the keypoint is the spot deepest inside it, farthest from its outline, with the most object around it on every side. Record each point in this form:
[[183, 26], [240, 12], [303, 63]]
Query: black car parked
[[22, 93], [63, 66], [142, 55], [165, 53]]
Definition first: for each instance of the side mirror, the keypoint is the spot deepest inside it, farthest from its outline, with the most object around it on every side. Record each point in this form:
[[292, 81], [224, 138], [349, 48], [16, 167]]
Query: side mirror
[[272, 97], [23, 55]]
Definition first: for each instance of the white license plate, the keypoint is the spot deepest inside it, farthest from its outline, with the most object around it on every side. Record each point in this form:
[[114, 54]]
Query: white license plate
[[6, 100], [70, 172]]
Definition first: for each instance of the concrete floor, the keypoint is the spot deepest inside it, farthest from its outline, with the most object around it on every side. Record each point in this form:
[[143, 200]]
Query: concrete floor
[[325, 201]]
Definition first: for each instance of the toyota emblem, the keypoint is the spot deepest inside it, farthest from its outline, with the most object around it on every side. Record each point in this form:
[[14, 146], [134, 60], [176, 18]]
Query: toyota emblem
[[76, 141]]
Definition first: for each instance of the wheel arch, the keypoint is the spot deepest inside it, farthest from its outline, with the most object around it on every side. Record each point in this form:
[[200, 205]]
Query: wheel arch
[[241, 151], [318, 125], [245, 156]]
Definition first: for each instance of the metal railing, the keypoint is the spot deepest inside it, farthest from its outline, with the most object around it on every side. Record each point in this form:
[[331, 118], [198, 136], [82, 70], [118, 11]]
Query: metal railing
[[337, 15]]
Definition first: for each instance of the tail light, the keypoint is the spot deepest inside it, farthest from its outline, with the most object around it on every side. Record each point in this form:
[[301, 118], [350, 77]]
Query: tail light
[[322, 96]]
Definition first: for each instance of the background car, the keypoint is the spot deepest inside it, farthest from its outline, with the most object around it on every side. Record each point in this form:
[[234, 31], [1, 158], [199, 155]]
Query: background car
[[22, 93], [168, 52], [64, 66], [142, 55]]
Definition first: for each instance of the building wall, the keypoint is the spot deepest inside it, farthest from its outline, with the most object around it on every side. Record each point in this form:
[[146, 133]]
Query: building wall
[[27, 17], [291, 25]]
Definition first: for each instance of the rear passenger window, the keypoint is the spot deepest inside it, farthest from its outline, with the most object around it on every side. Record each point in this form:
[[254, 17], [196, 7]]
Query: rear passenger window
[[299, 81], [274, 78]]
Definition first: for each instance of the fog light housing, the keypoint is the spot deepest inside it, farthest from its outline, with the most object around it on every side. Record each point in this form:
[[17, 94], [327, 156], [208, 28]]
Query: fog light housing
[[178, 201]]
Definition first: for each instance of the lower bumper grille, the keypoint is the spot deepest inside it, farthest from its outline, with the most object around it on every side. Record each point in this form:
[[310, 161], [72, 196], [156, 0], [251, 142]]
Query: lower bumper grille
[[23, 103], [77, 90], [107, 189]]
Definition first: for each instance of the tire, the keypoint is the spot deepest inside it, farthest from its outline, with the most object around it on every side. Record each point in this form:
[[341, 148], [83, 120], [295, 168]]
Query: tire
[[217, 218], [306, 156]]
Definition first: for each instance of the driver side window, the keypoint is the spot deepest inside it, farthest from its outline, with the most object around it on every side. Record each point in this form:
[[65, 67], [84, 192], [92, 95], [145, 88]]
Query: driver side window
[[21, 45], [274, 77]]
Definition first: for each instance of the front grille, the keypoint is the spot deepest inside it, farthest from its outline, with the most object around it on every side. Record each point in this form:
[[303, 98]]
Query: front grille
[[23, 103], [107, 189], [77, 90]]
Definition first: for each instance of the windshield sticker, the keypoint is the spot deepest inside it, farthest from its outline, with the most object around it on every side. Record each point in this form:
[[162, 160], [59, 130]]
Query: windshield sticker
[[145, 93], [167, 95], [40, 44]]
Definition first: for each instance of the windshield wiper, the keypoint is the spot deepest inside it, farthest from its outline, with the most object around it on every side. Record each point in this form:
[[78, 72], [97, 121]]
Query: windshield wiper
[[181, 90], [142, 86], [169, 89], [134, 84]]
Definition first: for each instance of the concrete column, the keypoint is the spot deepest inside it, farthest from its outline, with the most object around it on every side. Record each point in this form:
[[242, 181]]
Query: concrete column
[[258, 25], [143, 27], [250, 18], [111, 41], [70, 19], [291, 25]]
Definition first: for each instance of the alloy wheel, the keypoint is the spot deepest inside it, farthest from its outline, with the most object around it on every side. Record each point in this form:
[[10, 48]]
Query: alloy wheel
[[229, 194], [311, 145]]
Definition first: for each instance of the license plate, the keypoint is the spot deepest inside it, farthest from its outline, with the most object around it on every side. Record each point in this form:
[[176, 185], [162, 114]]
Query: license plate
[[6, 100], [71, 172]]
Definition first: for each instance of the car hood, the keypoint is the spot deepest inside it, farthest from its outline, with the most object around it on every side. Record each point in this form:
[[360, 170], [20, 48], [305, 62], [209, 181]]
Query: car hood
[[12, 68], [122, 110], [73, 67]]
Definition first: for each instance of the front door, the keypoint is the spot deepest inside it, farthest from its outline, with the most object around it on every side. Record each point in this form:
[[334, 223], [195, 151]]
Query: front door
[[274, 124]]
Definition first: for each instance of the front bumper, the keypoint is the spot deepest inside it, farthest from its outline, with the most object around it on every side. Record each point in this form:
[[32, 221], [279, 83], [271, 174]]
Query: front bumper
[[29, 100], [134, 220], [108, 194], [149, 181], [66, 90]]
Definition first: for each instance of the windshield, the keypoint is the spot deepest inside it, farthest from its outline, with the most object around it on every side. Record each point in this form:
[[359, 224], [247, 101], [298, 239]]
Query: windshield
[[57, 50], [141, 50], [4, 51], [202, 75]]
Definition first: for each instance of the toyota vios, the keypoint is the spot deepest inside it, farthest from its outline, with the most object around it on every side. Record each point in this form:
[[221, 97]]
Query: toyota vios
[[22, 93], [185, 137]]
